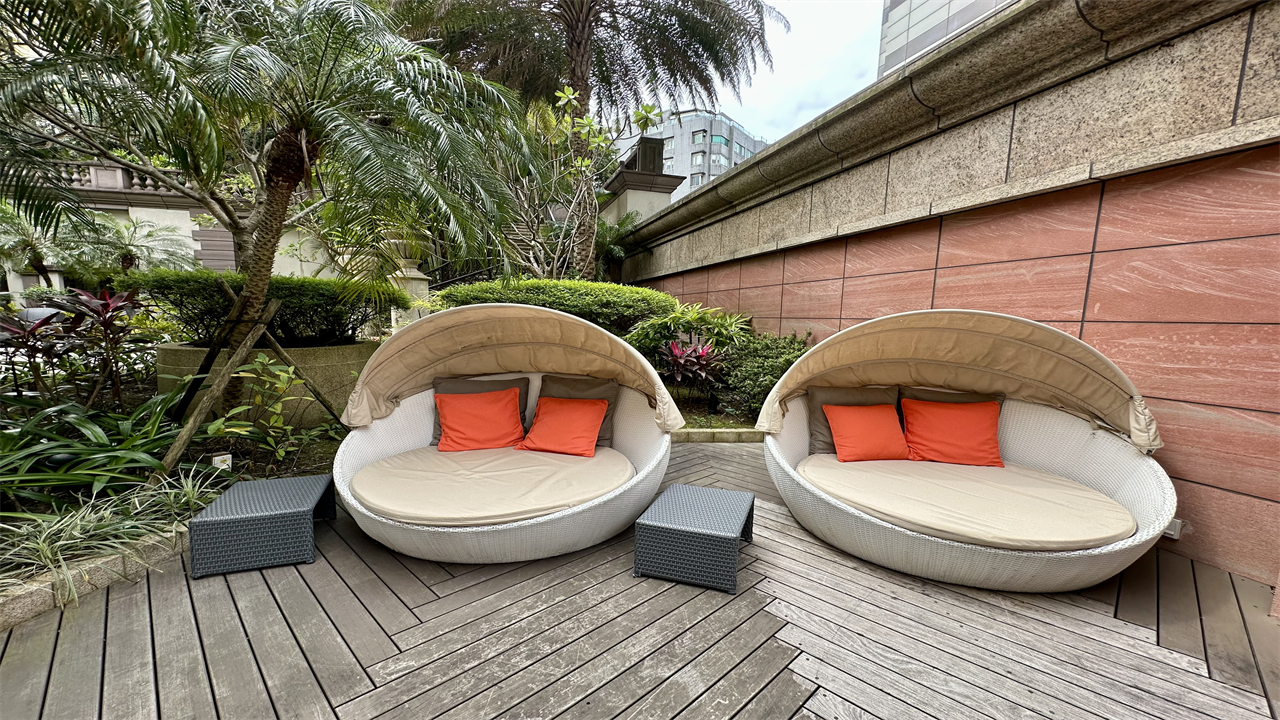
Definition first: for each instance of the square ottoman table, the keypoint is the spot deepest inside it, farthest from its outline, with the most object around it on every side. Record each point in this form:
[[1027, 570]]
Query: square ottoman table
[[690, 534], [260, 523]]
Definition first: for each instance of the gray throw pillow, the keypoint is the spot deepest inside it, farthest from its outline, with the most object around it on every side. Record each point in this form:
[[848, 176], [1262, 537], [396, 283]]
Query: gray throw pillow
[[915, 393], [586, 388], [820, 440], [472, 386]]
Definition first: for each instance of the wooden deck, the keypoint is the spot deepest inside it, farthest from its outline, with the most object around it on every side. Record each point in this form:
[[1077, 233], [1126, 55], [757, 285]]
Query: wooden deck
[[813, 633]]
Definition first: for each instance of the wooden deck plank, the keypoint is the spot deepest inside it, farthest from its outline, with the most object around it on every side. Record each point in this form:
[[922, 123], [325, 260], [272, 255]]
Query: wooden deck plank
[[182, 683], [1008, 611], [444, 696], [947, 693], [238, 688], [732, 692], [1226, 642], [852, 689], [128, 675], [293, 687], [385, 606], [824, 705], [358, 628], [681, 689], [77, 657], [783, 697], [333, 662], [406, 586], [427, 571], [1138, 590], [1179, 616], [469, 633], [477, 574], [467, 605], [1105, 592], [1004, 643], [1264, 635], [408, 686], [630, 686], [536, 572], [1084, 651], [24, 670], [905, 645], [534, 677], [554, 699]]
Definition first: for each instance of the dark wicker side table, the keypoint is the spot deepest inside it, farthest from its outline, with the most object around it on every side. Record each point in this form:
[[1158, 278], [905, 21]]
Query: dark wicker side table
[[260, 523], [690, 534]]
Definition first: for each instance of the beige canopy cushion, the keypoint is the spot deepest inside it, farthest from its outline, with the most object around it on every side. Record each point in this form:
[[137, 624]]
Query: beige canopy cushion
[[500, 338], [485, 487], [972, 351], [1011, 507]]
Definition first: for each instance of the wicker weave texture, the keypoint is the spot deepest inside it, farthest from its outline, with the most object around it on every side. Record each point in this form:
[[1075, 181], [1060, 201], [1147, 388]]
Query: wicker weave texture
[[1030, 435], [691, 535], [260, 523], [635, 435]]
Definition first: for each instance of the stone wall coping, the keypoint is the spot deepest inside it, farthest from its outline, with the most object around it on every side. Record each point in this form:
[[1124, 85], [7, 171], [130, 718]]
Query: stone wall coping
[[1019, 51]]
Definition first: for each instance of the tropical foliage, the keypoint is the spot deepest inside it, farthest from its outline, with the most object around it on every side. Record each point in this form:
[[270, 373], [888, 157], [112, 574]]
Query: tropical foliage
[[259, 106], [313, 311], [753, 365], [616, 308], [688, 324], [614, 55]]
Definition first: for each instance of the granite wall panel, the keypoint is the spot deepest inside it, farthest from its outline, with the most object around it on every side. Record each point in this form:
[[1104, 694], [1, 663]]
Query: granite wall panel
[[1183, 293]]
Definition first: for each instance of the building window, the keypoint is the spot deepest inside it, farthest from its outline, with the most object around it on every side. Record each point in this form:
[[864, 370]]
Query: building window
[[738, 148], [696, 179], [719, 140], [718, 160], [697, 159], [669, 144], [699, 137], [669, 165]]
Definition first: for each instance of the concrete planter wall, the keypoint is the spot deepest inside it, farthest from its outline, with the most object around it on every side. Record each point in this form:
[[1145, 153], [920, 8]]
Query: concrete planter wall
[[333, 368]]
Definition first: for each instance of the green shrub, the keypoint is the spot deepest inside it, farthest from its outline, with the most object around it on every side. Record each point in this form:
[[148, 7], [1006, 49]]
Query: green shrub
[[313, 311], [752, 367], [38, 295], [615, 308], [690, 323]]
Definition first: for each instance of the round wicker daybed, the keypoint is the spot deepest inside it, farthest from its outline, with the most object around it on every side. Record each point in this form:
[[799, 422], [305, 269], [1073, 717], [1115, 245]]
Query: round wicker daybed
[[1068, 411], [392, 412]]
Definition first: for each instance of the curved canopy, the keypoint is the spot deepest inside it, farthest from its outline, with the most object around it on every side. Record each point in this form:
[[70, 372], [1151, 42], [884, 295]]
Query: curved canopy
[[499, 338], [972, 351]]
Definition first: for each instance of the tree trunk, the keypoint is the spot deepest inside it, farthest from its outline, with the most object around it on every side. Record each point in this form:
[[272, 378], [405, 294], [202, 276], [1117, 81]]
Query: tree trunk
[[37, 263], [242, 247], [579, 18], [286, 168]]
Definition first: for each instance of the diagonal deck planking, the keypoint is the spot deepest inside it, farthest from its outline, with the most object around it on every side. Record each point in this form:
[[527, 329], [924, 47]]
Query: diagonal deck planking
[[813, 633]]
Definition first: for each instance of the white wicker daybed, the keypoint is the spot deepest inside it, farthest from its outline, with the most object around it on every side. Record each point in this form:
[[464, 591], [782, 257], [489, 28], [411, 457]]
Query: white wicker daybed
[[392, 411], [1068, 411]]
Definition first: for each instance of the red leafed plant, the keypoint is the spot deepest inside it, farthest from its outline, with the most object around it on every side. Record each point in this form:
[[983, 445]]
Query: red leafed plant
[[691, 364]]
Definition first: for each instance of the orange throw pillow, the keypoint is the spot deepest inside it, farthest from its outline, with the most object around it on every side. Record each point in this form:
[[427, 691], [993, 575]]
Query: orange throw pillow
[[957, 433], [866, 432], [567, 426], [479, 421]]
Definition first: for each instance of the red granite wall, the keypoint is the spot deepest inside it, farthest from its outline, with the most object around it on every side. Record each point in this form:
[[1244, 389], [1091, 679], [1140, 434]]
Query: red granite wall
[[1174, 274]]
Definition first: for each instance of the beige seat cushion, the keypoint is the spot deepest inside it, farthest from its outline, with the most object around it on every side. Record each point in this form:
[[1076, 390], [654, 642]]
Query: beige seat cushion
[[485, 487], [1011, 507]]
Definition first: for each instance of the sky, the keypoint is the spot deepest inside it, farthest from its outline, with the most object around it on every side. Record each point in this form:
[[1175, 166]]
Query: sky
[[830, 54]]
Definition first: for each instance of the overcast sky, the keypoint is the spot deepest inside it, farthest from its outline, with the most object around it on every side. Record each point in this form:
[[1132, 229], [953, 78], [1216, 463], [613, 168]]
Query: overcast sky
[[830, 53]]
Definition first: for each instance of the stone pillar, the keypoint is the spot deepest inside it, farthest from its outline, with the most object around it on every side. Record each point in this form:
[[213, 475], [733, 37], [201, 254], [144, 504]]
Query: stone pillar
[[412, 281]]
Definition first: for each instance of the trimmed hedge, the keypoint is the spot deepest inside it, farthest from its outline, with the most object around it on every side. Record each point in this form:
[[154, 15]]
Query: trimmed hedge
[[752, 367], [313, 311], [616, 308]]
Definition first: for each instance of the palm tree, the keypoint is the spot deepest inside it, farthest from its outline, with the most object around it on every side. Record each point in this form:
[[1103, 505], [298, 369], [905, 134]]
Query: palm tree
[[614, 54], [112, 246], [258, 104], [24, 244]]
